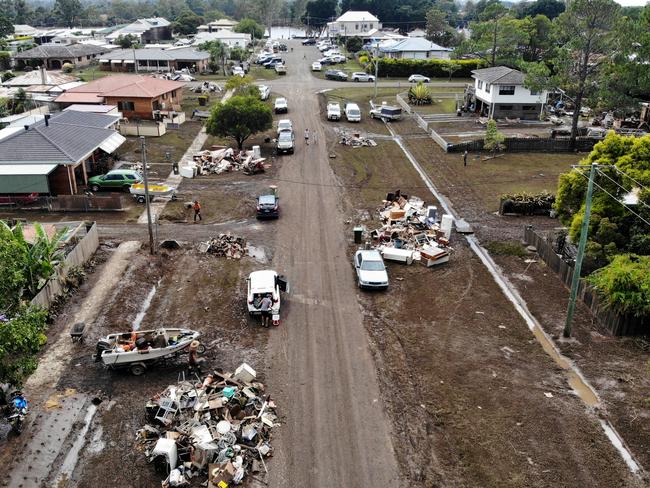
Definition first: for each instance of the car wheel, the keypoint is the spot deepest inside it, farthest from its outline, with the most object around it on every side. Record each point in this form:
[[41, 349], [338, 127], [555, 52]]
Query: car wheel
[[126, 188], [137, 369], [94, 188], [356, 80]]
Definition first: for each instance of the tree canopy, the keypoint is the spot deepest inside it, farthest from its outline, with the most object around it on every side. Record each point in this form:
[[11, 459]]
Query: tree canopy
[[187, 22], [239, 118], [250, 26]]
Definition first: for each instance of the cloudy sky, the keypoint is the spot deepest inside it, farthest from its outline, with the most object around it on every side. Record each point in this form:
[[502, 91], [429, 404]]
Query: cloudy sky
[[630, 3]]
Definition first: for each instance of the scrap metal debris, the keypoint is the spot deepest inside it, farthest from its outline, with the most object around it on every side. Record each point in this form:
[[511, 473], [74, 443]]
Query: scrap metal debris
[[218, 427], [411, 231], [354, 139], [227, 245], [227, 159]]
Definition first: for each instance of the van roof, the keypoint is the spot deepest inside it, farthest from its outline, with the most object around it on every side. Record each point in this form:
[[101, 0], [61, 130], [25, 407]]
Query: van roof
[[262, 281]]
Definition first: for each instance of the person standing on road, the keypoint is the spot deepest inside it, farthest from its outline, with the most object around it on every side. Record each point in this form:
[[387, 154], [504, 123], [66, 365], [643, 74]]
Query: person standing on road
[[265, 308], [465, 158], [197, 210], [307, 136]]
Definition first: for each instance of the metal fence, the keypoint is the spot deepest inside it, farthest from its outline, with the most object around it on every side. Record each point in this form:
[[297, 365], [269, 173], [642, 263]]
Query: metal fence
[[529, 144], [617, 324]]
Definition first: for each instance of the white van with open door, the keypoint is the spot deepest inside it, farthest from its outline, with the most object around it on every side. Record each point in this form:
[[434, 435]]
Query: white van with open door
[[265, 283]]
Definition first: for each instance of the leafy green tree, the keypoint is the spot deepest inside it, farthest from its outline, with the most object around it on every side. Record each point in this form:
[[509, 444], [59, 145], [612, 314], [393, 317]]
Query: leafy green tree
[[22, 12], [240, 84], [538, 42], [13, 264], [438, 28], [67, 11], [21, 337], [239, 118], [127, 42], [238, 53], [20, 101], [318, 13], [218, 55], [186, 23], [6, 25], [493, 140], [354, 44], [250, 26], [196, 6], [548, 8]]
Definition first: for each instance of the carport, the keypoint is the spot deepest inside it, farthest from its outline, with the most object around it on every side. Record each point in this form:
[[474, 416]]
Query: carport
[[25, 178]]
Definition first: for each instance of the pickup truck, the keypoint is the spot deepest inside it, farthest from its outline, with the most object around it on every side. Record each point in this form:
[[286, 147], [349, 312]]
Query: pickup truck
[[386, 112], [333, 111]]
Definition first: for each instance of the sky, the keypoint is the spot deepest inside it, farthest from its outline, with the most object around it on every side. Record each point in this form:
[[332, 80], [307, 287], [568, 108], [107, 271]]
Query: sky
[[632, 3]]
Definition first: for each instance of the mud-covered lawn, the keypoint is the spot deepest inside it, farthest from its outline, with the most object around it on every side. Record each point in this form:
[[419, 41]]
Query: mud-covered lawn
[[463, 378]]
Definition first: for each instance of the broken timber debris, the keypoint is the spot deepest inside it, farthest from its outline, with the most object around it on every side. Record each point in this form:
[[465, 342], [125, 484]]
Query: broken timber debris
[[226, 245], [218, 427], [219, 160], [354, 139]]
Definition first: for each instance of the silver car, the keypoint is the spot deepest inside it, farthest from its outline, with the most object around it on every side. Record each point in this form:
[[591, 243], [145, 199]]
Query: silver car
[[360, 76], [371, 272]]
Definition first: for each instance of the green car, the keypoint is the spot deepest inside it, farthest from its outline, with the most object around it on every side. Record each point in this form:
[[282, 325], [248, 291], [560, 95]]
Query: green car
[[118, 179]]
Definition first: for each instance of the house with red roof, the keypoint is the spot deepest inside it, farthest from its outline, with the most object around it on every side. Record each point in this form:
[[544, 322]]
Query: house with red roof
[[138, 97]]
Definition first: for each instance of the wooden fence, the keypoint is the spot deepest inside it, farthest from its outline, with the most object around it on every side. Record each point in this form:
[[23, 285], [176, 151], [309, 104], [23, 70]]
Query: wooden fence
[[615, 323], [84, 248], [86, 203]]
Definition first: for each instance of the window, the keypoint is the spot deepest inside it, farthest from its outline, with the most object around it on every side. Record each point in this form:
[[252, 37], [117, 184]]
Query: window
[[480, 84], [126, 106], [487, 88], [506, 90], [156, 105], [529, 108], [356, 26], [505, 108], [534, 92], [79, 58], [88, 57], [164, 96], [174, 94], [372, 26], [114, 177]]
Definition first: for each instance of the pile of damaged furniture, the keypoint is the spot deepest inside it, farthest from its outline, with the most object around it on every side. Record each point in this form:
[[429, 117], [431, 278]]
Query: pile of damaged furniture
[[354, 139], [219, 426], [220, 159], [225, 245], [411, 231]]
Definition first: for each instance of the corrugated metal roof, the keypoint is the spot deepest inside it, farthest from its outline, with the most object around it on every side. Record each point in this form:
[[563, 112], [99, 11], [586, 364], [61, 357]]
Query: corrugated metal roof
[[357, 16], [413, 44], [156, 54], [26, 169], [119, 86], [499, 75], [59, 51]]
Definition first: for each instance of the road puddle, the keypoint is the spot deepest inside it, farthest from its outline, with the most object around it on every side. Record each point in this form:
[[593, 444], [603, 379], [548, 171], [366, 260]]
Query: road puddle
[[71, 459], [145, 306], [258, 254]]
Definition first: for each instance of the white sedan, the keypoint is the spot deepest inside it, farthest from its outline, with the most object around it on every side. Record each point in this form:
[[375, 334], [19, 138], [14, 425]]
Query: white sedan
[[371, 272], [418, 79], [316, 66], [284, 125], [360, 76], [280, 106]]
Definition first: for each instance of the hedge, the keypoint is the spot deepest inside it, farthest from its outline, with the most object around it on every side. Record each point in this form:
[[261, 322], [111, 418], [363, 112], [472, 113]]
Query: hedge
[[433, 68]]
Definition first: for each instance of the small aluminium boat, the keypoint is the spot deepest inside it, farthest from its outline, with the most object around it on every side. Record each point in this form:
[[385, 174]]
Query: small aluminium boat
[[139, 349], [155, 190]]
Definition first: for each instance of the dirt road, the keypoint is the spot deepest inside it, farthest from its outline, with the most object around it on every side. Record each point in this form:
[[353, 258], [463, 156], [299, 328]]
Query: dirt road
[[336, 432]]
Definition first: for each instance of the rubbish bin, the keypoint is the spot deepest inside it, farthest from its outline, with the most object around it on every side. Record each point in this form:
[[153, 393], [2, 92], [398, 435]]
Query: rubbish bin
[[358, 235], [175, 167]]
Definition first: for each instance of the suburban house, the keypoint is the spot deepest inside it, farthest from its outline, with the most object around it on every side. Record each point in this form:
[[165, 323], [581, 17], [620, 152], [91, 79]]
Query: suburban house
[[54, 56], [499, 92], [146, 31], [55, 155], [414, 48], [136, 96], [417, 33], [215, 25], [353, 23], [41, 85], [229, 38], [155, 59]]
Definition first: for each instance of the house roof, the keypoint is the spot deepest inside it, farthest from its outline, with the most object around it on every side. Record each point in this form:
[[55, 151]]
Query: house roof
[[128, 86], [224, 22], [220, 35], [156, 54], [357, 16], [499, 75], [38, 77], [45, 51], [91, 108], [139, 27], [412, 44], [68, 138]]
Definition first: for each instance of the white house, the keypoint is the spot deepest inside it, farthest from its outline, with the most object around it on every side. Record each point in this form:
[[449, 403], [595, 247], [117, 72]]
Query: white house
[[500, 93], [229, 38], [417, 33], [353, 23], [215, 25], [414, 48]]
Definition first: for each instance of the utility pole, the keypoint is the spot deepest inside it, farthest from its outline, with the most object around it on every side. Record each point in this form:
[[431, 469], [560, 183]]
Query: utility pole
[[575, 280], [376, 69], [143, 147]]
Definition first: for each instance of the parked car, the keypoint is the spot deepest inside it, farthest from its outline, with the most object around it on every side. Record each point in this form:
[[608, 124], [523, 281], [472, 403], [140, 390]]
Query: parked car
[[280, 69], [261, 284], [117, 179], [333, 111], [360, 76], [325, 61], [284, 125], [268, 207], [316, 66], [334, 74], [418, 79], [370, 268], [265, 92], [238, 71], [273, 63], [352, 112], [285, 142], [386, 112], [309, 42], [283, 47], [281, 106]]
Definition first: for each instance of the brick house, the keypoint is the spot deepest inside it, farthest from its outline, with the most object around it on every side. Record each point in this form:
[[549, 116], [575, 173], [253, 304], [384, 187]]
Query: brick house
[[155, 59], [136, 96], [54, 56]]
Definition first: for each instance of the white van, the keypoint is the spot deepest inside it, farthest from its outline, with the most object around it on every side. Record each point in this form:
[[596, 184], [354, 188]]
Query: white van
[[352, 112], [265, 92]]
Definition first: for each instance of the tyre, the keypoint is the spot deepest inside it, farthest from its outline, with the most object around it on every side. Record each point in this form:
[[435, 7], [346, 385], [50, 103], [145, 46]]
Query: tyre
[[201, 348], [356, 80], [137, 369], [94, 188], [126, 188]]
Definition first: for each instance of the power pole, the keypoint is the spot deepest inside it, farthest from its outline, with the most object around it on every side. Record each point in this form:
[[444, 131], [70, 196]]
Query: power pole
[[575, 280], [146, 193], [376, 69]]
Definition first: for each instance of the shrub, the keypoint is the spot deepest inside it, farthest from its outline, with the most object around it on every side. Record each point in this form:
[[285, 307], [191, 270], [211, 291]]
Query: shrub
[[67, 67], [420, 95], [506, 248], [527, 203], [354, 44], [363, 59], [433, 68], [21, 337]]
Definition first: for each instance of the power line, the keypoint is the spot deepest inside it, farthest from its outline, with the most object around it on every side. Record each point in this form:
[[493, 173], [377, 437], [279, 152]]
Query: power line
[[621, 186], [628, 176]]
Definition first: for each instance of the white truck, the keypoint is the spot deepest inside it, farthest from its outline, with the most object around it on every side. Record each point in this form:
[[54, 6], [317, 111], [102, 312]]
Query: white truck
[[333, 111], [352, 112]]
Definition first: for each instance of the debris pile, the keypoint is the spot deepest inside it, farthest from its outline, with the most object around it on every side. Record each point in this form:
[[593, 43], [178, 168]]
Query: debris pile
[[219, 426], [226, 245], [228, 159], [411, 231], [354, 139]]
